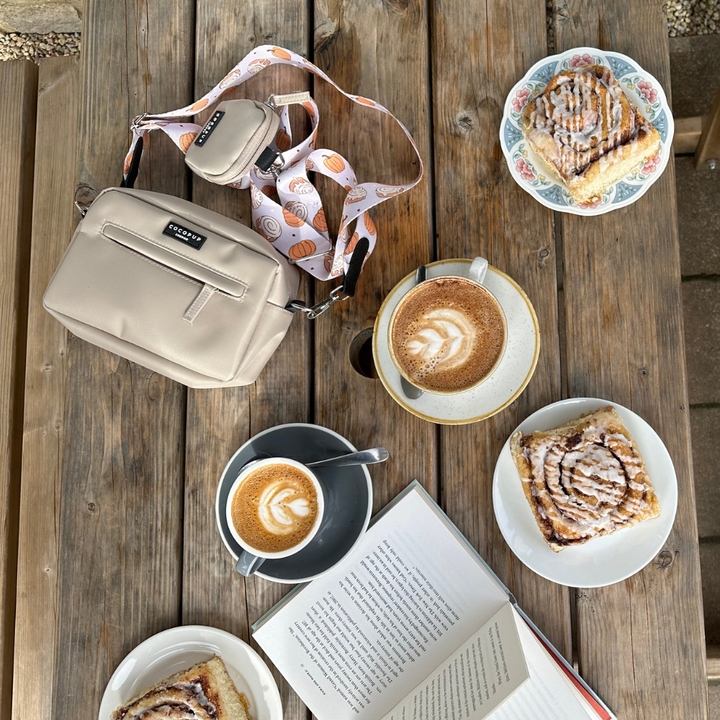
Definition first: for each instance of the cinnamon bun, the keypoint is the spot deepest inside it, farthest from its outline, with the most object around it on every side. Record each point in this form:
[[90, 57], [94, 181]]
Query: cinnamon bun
[[587, 131], [204, 692], [584, 479]]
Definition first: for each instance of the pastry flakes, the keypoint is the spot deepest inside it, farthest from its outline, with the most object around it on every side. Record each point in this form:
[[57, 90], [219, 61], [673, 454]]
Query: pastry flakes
[[204, 692], [584, 479]]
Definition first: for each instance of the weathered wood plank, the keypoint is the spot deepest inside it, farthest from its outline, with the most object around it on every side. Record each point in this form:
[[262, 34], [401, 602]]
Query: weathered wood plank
[[219, 421], [640, 642], [18, 98], [380, 51], [123, 472], [54, 218], [479, 53]]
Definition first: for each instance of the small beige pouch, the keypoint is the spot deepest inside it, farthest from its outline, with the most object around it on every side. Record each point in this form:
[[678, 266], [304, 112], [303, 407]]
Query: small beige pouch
[[235, 138]]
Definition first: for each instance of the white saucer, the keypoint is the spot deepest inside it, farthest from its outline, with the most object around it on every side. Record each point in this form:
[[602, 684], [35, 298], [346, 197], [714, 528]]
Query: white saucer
[[180, 648], [507, 381], [603, 560]]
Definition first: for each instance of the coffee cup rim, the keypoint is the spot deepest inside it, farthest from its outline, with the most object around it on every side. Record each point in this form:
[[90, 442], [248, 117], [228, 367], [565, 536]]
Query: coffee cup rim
[[403, 299], [254, 465]]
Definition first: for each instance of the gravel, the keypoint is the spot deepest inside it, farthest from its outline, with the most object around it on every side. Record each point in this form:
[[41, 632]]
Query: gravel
[[14, 46], [693, 17]]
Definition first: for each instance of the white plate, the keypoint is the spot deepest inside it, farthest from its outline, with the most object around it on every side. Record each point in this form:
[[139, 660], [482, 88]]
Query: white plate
[[180, 648], [509, 378], [530, 171], [603, 560]]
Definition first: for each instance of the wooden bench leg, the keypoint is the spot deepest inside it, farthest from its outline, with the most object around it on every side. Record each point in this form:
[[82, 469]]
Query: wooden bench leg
[[713, 663], [687, 135], [708, 149]]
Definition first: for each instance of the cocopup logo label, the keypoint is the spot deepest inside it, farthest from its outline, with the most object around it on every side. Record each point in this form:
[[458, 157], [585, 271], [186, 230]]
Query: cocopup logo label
[[184, 235], [206, 132]]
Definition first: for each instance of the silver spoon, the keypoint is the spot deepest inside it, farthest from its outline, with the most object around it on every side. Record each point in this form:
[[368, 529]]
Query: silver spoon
[[411, 391], [362, 457]]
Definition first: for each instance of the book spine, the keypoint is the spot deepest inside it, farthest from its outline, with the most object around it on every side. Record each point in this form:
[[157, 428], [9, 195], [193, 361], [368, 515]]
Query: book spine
[[602, 710]]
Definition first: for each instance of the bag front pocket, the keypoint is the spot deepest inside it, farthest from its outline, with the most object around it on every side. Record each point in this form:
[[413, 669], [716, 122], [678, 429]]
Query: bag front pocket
[[142, 294]]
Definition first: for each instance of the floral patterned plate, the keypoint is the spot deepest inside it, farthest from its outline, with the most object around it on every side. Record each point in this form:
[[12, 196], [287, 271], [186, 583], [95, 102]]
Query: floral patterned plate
[[530, 171]]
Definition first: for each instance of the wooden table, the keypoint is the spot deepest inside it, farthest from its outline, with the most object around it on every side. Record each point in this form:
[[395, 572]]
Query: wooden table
[[107, 479]]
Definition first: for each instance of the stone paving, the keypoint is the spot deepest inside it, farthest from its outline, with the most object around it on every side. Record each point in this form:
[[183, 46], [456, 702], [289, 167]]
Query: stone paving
[[695, 69], [41, 16]]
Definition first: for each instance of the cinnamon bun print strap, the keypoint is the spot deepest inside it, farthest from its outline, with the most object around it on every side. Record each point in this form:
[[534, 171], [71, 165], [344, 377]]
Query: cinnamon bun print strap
[[311, 248], [130, 177], [253, 63]]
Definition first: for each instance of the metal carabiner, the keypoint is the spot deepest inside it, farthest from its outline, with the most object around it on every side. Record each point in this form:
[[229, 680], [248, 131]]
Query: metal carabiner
[[82, 208], [137, 121], [319, 308]]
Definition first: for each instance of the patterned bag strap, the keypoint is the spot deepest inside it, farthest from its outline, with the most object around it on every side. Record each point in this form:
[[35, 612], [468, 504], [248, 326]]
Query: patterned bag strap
[[286, 207]]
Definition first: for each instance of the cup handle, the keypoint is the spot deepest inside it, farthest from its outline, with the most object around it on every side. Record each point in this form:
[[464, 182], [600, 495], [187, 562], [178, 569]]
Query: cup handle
[[478, 269], [248, 563]]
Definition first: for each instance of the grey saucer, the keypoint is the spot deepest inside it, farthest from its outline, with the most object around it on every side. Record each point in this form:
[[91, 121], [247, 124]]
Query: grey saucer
[[348, 499]]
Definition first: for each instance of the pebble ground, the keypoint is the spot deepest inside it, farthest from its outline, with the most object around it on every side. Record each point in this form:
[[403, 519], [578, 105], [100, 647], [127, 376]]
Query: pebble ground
[[693, 17], [14, 46]]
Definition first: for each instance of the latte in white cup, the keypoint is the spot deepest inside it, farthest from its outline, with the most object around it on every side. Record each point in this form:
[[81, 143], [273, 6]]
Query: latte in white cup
[[447, 334], [275, 507]]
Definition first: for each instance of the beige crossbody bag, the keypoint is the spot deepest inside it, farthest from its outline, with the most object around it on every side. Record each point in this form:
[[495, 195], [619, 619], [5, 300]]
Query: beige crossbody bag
[[186, 292]]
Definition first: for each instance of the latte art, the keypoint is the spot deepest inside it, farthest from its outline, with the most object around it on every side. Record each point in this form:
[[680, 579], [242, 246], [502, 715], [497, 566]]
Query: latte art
[[275, 507], [444, 338], [447, 334], [280, 508]]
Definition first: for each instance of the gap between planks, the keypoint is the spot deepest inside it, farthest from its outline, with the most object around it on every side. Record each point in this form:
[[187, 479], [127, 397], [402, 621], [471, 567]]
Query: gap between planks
[[18, 99]]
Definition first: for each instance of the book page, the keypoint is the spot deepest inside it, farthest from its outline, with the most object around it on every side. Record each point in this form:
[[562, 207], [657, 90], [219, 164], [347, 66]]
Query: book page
[[354, 643], [547, 696], [475, 679]]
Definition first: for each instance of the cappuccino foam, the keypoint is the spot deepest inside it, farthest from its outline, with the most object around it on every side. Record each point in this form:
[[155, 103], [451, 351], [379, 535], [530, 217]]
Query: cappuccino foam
[[275, 508], [447, 334]]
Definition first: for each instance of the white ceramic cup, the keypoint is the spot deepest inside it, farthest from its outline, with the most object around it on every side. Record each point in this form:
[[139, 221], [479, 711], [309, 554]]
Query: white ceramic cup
[[251, 558], [476, 274]]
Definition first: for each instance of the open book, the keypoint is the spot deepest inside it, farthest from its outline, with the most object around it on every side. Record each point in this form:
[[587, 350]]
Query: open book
[[414, 625]]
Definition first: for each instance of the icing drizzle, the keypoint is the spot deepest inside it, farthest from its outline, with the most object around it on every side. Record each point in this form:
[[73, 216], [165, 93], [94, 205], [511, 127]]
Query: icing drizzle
[[181, 701], [587, 116], [589, 484]]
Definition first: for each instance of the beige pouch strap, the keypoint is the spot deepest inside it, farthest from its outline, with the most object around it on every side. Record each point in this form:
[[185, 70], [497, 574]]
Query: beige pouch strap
[[287, 210], [297, 98]]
